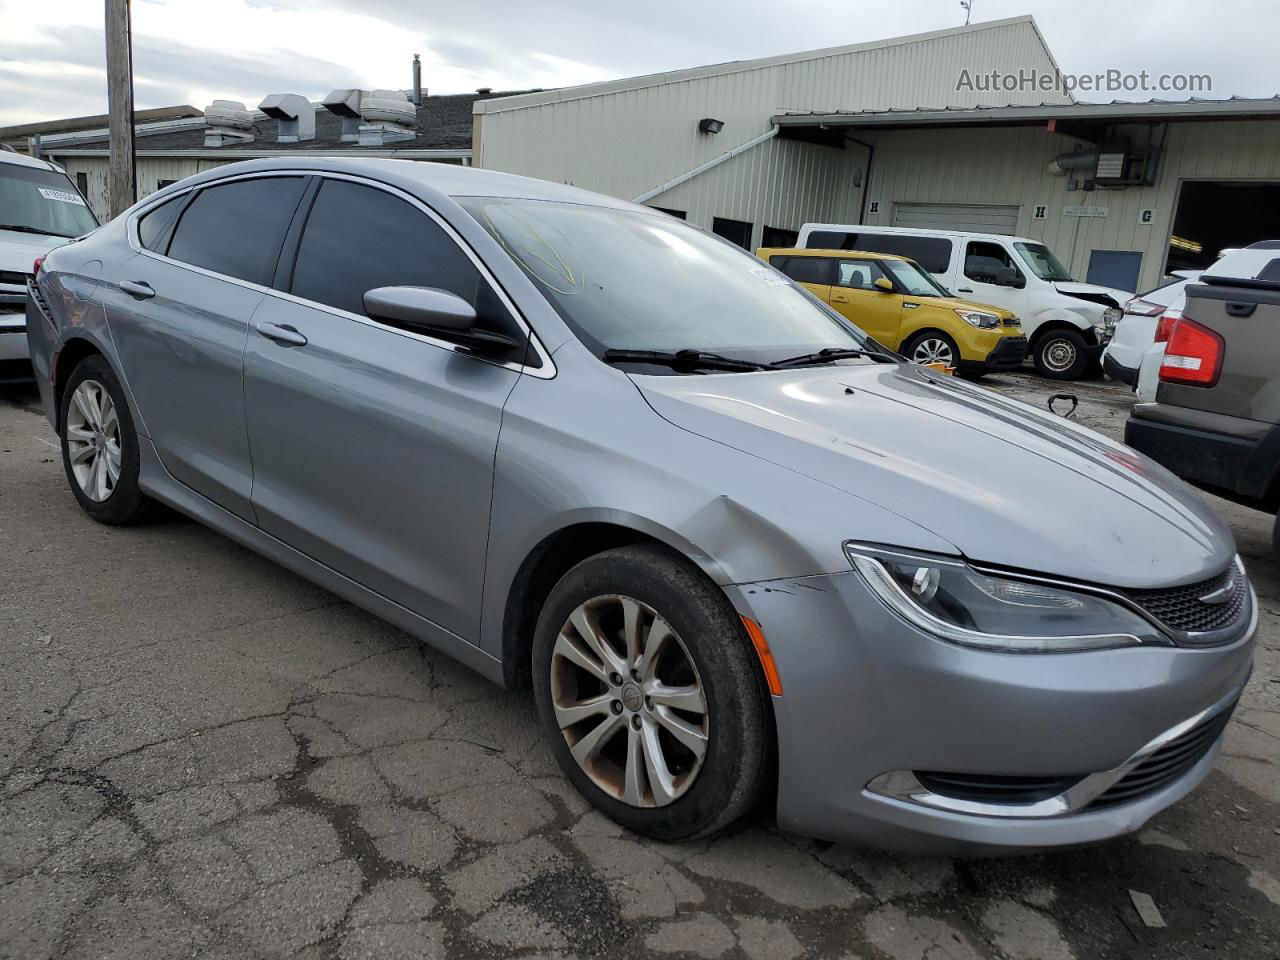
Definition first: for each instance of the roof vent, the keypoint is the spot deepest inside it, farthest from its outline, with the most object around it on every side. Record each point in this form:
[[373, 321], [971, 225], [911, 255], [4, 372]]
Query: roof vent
[[227, 123], [484, 91], [345, 104], [295, 116], [388, 117]]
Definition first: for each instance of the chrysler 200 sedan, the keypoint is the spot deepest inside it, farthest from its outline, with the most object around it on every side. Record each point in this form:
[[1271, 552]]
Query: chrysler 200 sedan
[[735, 546]]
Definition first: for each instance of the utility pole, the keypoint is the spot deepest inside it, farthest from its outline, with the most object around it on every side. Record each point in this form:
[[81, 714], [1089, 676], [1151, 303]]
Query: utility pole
[[122, 183]]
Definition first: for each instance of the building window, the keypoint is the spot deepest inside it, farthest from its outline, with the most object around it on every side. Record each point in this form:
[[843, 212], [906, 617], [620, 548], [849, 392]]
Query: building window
[[735, 231], [161, 184], [82, 183], [777, 237], [678, 214]]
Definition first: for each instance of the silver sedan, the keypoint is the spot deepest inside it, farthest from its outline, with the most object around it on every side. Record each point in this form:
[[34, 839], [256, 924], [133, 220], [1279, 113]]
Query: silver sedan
[[736, 547]]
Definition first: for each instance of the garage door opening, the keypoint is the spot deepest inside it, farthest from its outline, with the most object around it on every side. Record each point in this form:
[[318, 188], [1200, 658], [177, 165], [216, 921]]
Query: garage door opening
[[1214, 216], [966, 217]]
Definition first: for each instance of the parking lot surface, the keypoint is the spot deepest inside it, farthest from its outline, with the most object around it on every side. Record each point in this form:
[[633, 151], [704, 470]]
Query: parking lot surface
[[204, 755]]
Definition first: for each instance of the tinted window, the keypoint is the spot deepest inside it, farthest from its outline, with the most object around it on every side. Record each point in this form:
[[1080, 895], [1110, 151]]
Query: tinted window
[[236, 228], [804, 269], [932, 253], [153, 228], [984, 262], [358, 238], [859, 274]]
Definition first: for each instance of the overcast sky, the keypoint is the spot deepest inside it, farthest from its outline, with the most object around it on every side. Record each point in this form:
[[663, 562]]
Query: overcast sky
[[51, 51]]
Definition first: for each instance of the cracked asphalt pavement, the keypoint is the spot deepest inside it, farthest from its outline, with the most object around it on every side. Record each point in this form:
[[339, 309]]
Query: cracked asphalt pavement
[[203, 755]]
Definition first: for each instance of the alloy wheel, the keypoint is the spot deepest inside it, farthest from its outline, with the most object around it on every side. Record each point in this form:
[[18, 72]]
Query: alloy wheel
[[933, 350], [93, 440], [629, 702]]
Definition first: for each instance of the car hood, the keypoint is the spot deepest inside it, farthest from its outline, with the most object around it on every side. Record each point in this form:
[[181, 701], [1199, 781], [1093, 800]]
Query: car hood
[[1005, 483], [1074, 289], [955, 303], [19, 250]]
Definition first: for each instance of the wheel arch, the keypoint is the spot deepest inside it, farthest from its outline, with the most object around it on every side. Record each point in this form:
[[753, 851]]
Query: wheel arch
[[69, 356], [1055, 323]]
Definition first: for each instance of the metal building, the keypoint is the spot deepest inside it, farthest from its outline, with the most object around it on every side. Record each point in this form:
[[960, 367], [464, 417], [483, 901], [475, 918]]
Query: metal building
[[702, 143]]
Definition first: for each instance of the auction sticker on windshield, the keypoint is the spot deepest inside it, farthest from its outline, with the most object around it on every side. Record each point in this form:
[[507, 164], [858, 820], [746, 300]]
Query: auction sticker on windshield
[[772, 277], [62, 195]]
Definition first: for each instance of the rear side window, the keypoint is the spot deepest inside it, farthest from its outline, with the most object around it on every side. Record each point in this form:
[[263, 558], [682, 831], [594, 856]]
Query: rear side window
[[805, 269], [237, 228], [358, 238], [985, 261], [932, 253], [153, 228]]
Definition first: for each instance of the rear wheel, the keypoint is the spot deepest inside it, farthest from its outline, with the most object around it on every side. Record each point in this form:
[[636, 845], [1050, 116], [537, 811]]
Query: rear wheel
[[651, 695], [1060, 355], [100, 445], [932, 346]]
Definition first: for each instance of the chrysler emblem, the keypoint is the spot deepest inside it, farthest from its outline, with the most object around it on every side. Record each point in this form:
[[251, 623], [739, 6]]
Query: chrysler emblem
[[1222, 594]]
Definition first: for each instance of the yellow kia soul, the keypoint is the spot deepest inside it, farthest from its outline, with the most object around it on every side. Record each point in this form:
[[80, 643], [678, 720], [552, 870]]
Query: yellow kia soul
[[902, 307]]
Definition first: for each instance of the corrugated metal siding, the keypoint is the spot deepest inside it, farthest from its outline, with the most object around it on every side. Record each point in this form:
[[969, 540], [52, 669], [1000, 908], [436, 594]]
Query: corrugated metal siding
[[1010, 165], [626, 142]]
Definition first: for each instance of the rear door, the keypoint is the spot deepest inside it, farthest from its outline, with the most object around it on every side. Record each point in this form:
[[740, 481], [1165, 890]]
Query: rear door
[[855, 295], [179, 314], [373, 446]]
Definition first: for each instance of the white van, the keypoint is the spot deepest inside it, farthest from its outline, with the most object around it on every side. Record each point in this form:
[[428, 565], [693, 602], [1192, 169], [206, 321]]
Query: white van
[[1067, 323], [40, 208]]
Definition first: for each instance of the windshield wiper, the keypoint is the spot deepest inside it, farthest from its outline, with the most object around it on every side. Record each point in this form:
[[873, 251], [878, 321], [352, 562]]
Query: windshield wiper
[[21, 228], [684, 359], [830, 355]]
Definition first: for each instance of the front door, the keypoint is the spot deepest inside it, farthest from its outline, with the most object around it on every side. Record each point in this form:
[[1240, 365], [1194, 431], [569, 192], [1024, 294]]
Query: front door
[[855, 295], [179, 313], [989, 274], [373, 447]]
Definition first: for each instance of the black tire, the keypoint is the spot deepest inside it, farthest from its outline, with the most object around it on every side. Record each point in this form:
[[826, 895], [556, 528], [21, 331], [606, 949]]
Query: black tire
[[917, 339], [126, 503], [727, 670], [1061, 354]]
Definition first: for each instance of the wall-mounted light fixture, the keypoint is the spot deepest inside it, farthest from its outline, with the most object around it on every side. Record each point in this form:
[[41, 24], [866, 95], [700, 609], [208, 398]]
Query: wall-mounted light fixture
[[710, 125]]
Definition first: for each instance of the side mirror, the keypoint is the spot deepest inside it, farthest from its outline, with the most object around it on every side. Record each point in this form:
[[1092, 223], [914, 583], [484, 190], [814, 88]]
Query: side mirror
[[883, 284], [1010, 277], [435, 312]]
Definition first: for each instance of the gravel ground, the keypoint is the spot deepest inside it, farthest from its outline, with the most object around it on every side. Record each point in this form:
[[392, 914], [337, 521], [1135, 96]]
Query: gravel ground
[[203, 755]]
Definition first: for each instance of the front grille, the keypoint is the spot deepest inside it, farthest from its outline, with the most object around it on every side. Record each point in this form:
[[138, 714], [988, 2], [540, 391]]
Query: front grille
[[33, 292], [1168, 763], [994, 788], [14, 277], [1011, 321], [1181, 609]]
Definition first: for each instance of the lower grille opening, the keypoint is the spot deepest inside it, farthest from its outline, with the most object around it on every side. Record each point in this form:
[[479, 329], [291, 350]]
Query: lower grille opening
[[994, 788], [1167, 764]]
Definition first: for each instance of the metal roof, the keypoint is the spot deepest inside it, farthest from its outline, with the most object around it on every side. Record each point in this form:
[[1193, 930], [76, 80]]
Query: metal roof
[[1115, 111]]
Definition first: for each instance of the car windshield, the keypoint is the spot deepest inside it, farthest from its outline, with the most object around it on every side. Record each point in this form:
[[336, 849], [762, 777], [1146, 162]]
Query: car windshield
[[912, 279], [42, 202], [626, 280], [1042, 262]]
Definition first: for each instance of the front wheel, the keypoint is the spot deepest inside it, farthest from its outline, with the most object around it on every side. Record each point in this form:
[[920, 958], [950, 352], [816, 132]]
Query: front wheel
[[649, 690], [932, 346], [1060, 355]]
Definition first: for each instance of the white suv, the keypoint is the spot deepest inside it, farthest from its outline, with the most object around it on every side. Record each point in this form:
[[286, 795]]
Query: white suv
[[1067, 323], [40, 208]]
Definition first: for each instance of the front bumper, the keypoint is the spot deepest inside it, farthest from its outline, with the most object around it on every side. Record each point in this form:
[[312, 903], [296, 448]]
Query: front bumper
[[1007, 354], [865, 695], [13, 328]]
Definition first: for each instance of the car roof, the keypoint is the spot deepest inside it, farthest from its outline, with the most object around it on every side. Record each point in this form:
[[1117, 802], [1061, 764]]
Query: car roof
[[22, 160], [915, 232], [452, 180], [812, 252]]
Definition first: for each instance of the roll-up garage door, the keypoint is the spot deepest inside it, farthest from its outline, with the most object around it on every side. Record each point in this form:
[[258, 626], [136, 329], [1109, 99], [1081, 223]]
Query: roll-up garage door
[[974, 218]]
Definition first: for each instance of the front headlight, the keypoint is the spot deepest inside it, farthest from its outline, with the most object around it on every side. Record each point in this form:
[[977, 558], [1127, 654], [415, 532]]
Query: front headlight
[[979, 318], [1111, 316], [949, 599]]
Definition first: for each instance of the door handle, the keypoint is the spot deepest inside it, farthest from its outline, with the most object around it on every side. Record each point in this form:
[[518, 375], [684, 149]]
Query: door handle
[[281, 334], [965, 290], [839, 298], [138, 289]]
